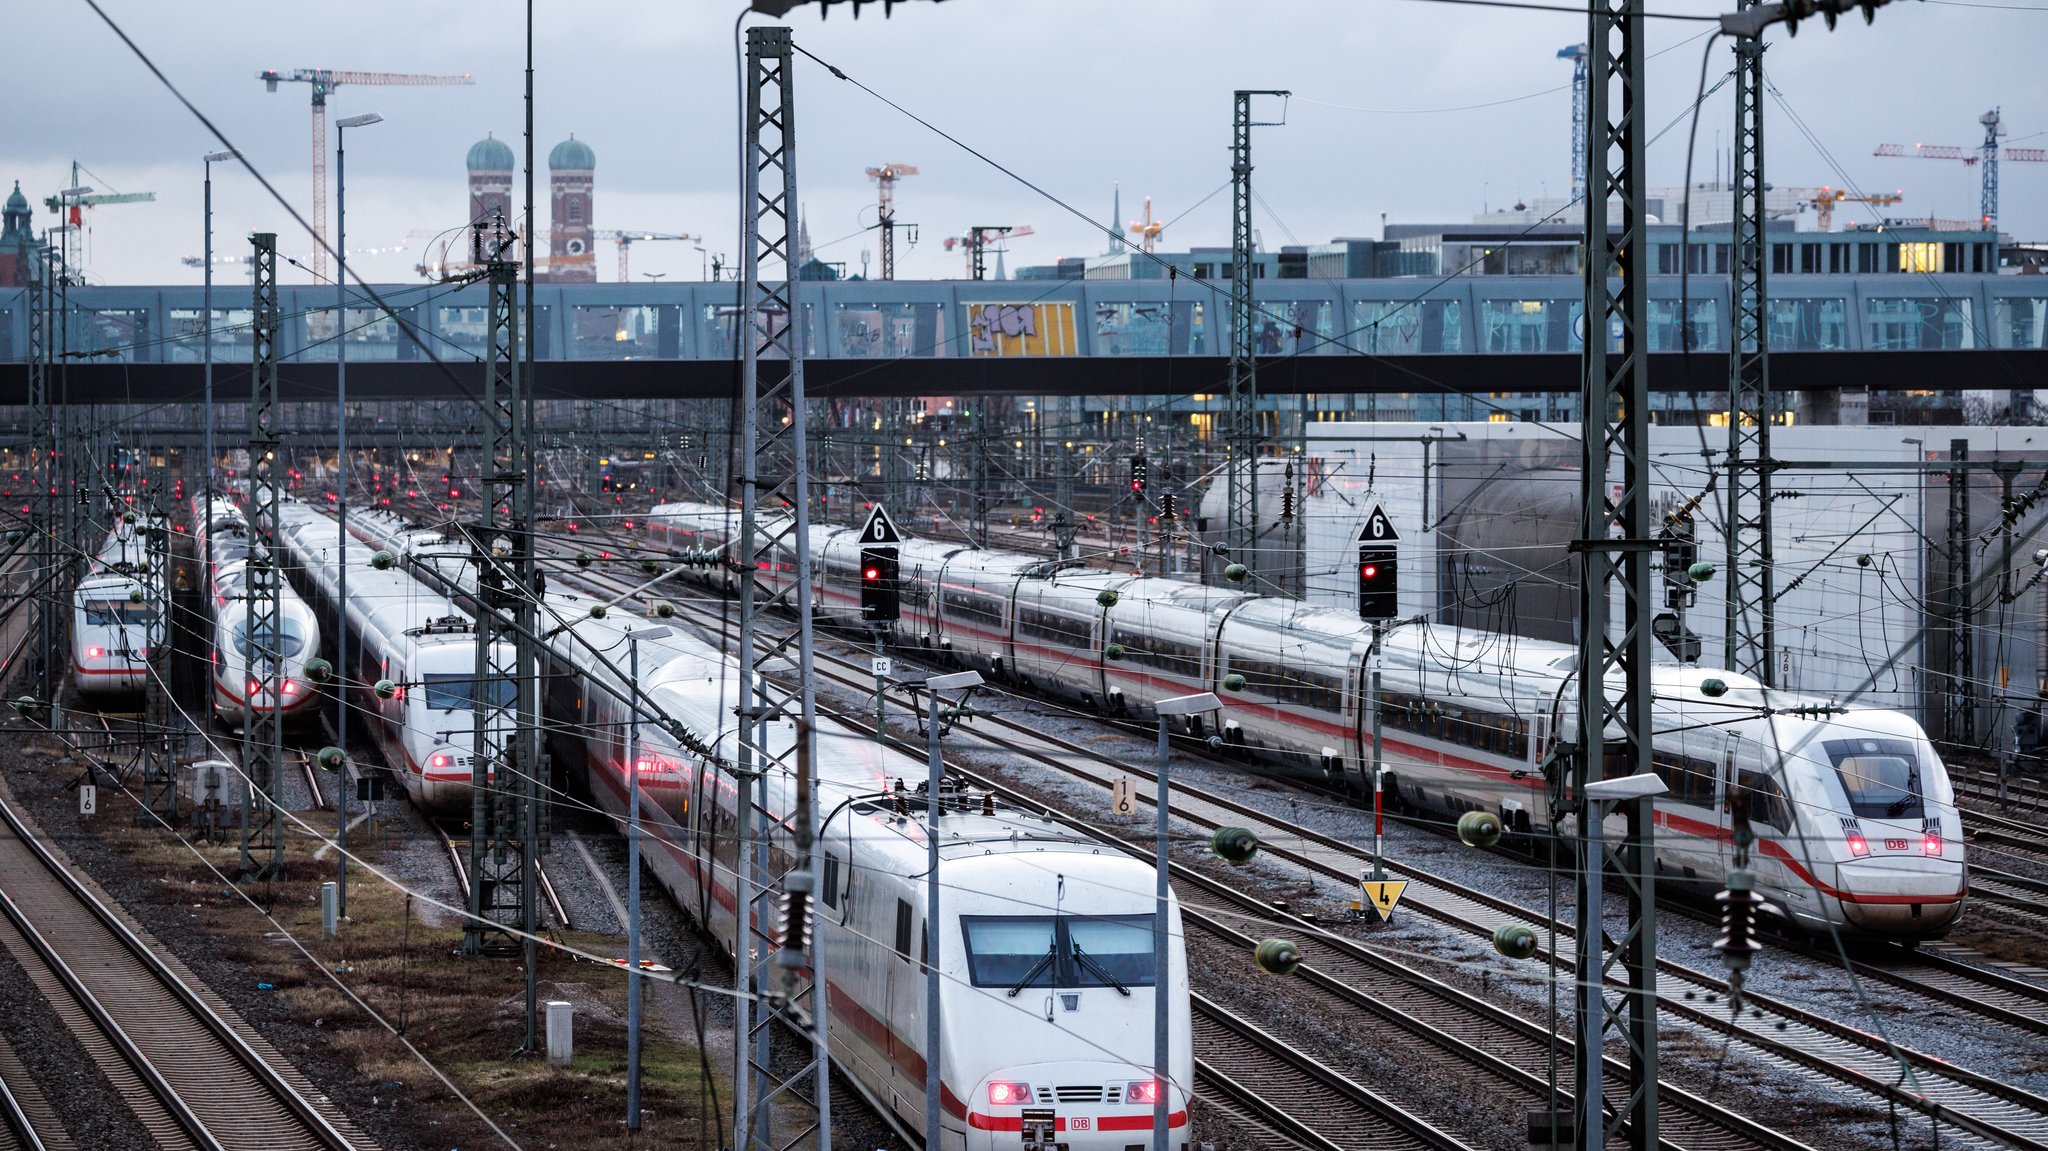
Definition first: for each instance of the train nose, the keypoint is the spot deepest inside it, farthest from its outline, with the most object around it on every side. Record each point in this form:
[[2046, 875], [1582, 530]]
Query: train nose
[[1071, 1107]]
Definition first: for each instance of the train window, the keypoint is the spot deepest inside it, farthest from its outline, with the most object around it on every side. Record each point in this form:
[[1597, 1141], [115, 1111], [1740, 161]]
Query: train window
[[903, 928], [1766, 802], [1882, 776], [831, 889], [288, 641], [109, 613], [1068, 951], [1109, 952], [448, 692], [1009, 950]]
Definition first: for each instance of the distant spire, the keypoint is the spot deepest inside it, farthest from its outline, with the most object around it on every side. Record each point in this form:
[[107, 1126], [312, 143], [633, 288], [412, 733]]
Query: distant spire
[[1116, 218], [1000, 274], [803, 241]]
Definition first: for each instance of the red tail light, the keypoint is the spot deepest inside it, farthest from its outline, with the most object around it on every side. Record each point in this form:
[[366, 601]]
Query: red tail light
[[1006, 1094], [1143, 1091], [291, 688], [441, 761], [254, 687], [1858, 845], [1931, 845], [94, 652]]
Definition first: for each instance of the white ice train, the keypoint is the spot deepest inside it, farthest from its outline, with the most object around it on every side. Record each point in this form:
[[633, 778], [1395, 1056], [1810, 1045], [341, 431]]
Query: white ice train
[[1854, 814], [1045, 939], [402, 632], [116, 613], [223, 543]]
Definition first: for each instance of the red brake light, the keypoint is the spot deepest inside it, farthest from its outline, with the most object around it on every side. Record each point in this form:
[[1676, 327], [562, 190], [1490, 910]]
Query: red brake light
[[1931, 845], [1858, 845], [1008, 1094], [1143, 1091]]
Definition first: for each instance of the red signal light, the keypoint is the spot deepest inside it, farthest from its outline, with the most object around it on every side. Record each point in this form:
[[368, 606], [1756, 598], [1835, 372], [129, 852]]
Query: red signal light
[[871, 573], [1370, 571]]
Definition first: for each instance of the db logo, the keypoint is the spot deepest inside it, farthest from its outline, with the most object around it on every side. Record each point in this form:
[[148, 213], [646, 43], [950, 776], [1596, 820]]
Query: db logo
[[1895, 845], [1080, 1123]]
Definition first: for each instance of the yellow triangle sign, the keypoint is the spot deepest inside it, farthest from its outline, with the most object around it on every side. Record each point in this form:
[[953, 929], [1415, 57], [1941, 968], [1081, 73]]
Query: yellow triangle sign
[[1383, 894]]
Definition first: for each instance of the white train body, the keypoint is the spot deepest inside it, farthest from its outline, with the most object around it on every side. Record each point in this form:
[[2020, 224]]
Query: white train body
[[1066, 1049], [223, 543], [116, 617], [398, 630], [1854, 815]]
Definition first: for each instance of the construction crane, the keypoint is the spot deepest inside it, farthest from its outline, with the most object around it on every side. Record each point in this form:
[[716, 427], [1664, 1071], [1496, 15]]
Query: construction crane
[[1148, 229], [975, 241], [71, 204], [1823, 201], [1985, 154], [325, 80], [885, 178], [626, 238], [1576, 53]]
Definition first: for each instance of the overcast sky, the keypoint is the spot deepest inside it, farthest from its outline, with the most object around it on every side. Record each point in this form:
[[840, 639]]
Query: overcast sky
[[1073, 95]]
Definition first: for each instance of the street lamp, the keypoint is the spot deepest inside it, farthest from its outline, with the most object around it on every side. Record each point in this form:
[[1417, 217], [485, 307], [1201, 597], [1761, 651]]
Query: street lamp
[[341, 127], [968, 680], [1167, 710], [704, 262], [206, 325], [633, 880]]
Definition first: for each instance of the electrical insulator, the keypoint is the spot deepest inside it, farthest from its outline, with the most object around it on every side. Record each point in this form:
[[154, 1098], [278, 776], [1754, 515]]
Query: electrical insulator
[[1287, 502], [1738, 944]]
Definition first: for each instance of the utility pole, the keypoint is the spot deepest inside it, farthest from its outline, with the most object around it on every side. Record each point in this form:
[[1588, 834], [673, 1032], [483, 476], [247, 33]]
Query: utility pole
[[1750, 609], [262, 591], [885, 177], [778, 742], [1241, 439], [1615, 728]]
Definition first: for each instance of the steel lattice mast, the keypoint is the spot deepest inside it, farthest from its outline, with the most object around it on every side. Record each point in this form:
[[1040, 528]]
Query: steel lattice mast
[[505, 768], [777, 741], [262, 591], [1241, 520], [1614, 662], [41, 472], [1749, 608]]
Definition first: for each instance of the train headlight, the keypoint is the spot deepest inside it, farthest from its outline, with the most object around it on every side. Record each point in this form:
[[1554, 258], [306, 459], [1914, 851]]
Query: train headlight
[[1006, 1094], [1144, 1091], [1931, 845], [1858, 845]]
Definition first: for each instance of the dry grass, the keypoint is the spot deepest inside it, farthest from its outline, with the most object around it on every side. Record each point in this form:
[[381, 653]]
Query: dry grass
[[465, 1015]]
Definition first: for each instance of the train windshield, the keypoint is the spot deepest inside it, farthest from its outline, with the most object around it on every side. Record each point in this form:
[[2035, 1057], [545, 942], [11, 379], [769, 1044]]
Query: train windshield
[[1882, 776], [454, 692], [1019, 951], [117, 613], [288, 641]]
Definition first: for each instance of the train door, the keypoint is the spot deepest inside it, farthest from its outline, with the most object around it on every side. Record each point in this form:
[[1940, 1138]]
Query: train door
[[906, 1007]]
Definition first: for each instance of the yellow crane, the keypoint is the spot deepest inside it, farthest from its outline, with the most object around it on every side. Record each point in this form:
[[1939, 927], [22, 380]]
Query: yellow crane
[[626, 238]]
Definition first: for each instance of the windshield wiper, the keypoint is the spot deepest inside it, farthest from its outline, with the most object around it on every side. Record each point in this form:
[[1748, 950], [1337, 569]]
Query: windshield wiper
[[1088, 961], [1052, 952]]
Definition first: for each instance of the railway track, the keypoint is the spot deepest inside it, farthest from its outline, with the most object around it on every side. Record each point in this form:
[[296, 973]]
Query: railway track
[[18, 1132], [1987, 1110], [459, 861], [1408, 999], [193, 1077]]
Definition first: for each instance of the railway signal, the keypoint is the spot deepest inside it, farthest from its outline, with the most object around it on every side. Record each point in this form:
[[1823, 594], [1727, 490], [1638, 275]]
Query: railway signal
[[1379, 583], [879, 601], [1138, 470]]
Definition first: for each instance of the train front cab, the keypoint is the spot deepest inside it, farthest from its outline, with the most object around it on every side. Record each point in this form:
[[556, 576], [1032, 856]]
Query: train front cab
[[1087, 1020]]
